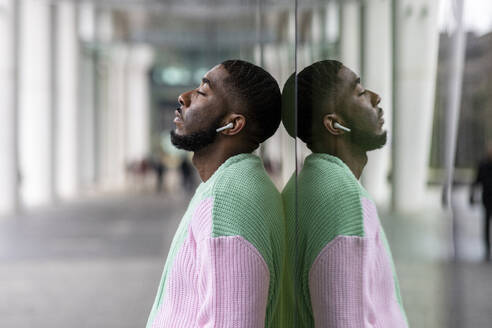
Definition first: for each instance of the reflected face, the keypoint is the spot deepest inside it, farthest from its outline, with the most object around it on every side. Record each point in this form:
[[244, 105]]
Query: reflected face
[[361, 112], [201, 112]]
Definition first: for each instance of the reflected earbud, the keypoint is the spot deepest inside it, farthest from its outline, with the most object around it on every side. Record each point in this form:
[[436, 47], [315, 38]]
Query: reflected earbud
[[337, 125], [225, 127]]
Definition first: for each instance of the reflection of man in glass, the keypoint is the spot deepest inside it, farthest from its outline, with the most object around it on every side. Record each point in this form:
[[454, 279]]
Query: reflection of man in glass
[[343, 270], [223, 265]]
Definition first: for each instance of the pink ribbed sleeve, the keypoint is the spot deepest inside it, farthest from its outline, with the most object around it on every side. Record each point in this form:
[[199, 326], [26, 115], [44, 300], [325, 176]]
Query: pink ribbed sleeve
[[214, 282], [233, 286], [351, 281]]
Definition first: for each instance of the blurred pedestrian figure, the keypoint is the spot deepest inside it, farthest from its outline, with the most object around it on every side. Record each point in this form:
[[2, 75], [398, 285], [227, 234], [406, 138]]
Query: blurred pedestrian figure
[[484, 178], [160, 169], [186, 175]]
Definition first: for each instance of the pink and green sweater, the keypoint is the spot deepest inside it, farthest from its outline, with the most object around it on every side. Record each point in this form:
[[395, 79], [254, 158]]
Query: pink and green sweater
[[339, 265], [223, 268]]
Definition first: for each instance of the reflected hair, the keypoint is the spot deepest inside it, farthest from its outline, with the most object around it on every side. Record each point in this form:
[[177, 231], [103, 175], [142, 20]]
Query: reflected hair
[[260, 94], [316, 91]]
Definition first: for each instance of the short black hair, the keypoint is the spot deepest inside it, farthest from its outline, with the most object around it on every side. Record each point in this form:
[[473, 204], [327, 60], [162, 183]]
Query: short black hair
[[260, 93], [316, 88]]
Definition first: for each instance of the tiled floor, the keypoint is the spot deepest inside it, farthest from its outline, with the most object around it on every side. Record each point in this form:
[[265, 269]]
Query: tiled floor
[[439, 289], [97, 263], [94, 263]]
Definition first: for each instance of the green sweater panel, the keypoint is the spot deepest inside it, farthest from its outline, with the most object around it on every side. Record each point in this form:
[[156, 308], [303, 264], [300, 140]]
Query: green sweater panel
[[247, 204], [328, 200]]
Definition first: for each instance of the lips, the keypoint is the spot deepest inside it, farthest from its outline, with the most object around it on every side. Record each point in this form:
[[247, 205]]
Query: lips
[[381, 114], [178, 118]]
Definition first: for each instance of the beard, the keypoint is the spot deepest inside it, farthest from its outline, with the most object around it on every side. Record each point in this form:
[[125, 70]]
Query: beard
[[367, 140], [197, 140]]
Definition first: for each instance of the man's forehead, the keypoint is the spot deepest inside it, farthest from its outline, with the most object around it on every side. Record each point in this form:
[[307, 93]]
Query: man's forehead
[[348, 76], [215, 76]]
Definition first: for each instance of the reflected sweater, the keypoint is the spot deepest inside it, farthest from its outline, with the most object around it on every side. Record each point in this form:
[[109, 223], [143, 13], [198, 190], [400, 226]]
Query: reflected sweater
[[340, 267], [224, 263]]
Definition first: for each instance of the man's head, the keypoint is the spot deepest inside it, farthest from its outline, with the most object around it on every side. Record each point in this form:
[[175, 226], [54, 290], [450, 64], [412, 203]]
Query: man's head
[[330, 93], [234, 92]]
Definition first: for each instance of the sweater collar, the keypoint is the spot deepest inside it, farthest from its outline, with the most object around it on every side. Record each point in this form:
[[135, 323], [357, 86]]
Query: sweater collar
[[330, 158], [229, 162]]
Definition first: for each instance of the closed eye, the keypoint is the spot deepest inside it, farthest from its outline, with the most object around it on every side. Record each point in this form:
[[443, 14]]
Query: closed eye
[[200, 93], [362, 93]]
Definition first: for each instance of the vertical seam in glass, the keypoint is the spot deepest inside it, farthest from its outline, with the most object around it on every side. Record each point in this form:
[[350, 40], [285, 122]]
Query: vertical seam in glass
[[362, 37], [296, 260]]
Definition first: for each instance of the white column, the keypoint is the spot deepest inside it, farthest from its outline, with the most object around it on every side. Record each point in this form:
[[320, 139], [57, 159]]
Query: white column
[[87, 98], [416, 64], [67, 114], [106, 100], [35, 117], [138, 102], [114, 127], [102, 35], [102, 119], [9, 34], [350, 37], [455, 85], [377, 76]]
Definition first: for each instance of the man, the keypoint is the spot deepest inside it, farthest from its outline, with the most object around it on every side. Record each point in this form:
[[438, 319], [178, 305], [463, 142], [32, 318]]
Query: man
[[223, 266], [341, 265], [484, 178]]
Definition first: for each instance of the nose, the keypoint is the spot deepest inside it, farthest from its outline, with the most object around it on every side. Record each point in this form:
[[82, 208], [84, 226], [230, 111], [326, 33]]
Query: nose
[[375, 98], [185, 98]]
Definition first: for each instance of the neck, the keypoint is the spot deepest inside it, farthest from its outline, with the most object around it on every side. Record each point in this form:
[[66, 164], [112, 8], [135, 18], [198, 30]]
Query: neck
[[210, 158], [354, 157]]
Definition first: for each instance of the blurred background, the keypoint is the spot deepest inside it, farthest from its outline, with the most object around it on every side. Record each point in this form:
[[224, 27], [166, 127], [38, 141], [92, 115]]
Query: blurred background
[[91, 189]]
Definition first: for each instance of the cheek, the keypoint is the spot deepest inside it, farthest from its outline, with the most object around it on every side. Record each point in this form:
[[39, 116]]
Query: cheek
[[196, 113], [200, 118], [191, 116], [363, 118]]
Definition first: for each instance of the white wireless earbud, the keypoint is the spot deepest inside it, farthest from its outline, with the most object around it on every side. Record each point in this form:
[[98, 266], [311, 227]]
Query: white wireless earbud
[[337, 125], [225, 127]]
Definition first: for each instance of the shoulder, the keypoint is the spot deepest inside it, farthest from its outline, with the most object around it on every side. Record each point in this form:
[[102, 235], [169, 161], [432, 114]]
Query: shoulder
[[245, 199], [330, 202], [328, 188], [327, 174]]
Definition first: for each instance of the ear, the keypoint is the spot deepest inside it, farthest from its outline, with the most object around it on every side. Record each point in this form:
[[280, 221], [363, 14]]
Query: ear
[[329, 124], [238, 123]]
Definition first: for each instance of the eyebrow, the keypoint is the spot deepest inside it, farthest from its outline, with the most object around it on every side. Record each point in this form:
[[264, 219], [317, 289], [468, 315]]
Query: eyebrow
[[207, 81]]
